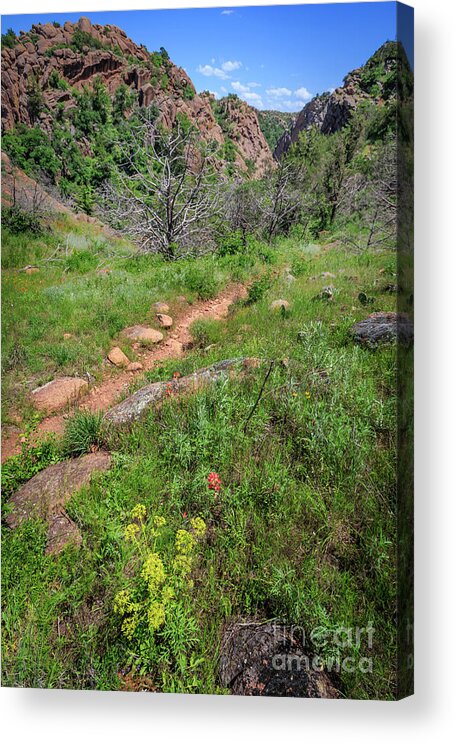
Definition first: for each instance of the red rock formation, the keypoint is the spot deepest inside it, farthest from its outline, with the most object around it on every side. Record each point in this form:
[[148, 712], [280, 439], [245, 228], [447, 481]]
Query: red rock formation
[[110, 55]]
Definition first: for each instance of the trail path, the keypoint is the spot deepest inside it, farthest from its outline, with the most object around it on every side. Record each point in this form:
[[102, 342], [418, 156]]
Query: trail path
[[114, 382]]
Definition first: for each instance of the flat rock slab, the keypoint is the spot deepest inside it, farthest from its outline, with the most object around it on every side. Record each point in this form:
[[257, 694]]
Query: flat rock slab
[[383, 327], [132, 408], [58, 393], [62, 531], [143, 334], [268, 660], [118, 357], [45, 495]]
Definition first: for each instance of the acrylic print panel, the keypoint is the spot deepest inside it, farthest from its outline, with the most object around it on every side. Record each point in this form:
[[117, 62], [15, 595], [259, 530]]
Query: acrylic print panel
[[207, 350]]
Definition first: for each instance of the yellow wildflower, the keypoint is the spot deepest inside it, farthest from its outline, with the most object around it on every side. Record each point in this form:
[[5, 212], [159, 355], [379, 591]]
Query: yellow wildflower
[[184, 541], [153, 571], [182, 564], [131, 532], [122, 602], [129, 626], [156, 615], [139, 512], [307, 394], [198, 526], [167, 594]]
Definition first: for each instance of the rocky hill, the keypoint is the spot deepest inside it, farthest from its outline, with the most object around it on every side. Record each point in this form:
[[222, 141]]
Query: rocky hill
[[374, 82], [274, 124], [43, 70]]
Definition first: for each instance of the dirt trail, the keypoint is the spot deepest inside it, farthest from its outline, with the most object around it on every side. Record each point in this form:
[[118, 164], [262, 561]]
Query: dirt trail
[[105, 393]]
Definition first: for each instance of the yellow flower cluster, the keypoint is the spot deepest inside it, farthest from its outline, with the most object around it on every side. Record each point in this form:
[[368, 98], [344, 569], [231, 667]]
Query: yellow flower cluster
[[158, 523], [182, 564], [198, 526], [162, 586], [156, 615], [153, 571], [184, 541], [138, 512], [131, 532], [122, 602], [129, 626]]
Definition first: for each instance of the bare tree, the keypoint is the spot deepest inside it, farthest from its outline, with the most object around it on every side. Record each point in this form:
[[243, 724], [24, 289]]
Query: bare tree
[[244, 204], [164, 194], [283, 205], [372, 197]]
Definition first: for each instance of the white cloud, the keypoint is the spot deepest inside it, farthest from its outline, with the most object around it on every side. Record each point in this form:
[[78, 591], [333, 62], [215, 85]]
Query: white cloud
[[279, 92], [214, 93], [209, 71], [284, 105], [303, 93], [247, 94], [227, 12], [223, 89], [230, 66], [239, 88], [254, 98], [254, 84]]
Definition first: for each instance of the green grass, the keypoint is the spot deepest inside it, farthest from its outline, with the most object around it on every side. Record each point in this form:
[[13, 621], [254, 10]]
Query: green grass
[[304, 526]]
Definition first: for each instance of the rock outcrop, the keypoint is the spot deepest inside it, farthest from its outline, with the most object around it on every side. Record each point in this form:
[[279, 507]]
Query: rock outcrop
[[330, 112], [54, 61], [46, 494], [152, 395], [384, 327]]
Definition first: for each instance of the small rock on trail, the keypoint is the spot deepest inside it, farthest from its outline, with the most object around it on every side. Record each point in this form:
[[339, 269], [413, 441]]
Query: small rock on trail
[[266, 659], [134, 366], [143, 334], [118, 357], [58, 393], [164, 319]]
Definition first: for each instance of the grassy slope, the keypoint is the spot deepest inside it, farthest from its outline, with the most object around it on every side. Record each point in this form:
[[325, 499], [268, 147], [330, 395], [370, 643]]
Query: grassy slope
[[68, 295], [304, 525]]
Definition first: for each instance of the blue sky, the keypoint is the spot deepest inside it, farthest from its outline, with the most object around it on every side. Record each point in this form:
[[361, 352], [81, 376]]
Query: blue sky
[[272, 56]]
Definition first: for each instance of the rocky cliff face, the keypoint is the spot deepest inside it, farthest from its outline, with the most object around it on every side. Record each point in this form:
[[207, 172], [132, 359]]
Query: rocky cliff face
[[50, 61], [329, 112]]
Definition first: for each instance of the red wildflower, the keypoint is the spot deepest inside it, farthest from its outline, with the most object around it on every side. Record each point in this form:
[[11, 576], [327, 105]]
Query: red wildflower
[[214, 481]]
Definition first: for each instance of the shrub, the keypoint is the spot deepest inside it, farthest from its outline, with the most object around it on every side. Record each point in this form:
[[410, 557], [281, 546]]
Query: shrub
[[18, 220], [9, 39], [258, 289], [231, 244], [201, 279], [83, 432]]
